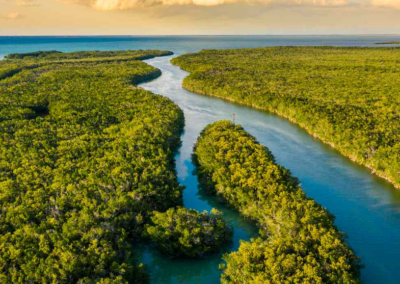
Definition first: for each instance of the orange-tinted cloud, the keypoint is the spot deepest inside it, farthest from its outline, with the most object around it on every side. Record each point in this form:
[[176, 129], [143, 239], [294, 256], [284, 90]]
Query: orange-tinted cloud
[[25, 3], [14, 15], [386, 3], [110, 5]]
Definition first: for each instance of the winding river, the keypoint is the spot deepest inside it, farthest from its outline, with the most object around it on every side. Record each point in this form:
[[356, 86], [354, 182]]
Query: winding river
[[367, 208]]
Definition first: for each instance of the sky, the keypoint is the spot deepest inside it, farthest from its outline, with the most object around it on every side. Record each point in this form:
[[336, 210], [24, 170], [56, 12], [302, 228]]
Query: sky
[[199, 17]]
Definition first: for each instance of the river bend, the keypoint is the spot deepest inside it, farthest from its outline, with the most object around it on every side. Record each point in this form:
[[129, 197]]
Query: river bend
[[367, 208]]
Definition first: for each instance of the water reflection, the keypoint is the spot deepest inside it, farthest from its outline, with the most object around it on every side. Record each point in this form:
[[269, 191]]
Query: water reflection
[[164, 270]]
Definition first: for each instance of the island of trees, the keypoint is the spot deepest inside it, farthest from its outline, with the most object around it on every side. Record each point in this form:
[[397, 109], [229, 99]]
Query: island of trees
[[86, 168], [389, 42], [181, 232], [347, 97], [299, 242]]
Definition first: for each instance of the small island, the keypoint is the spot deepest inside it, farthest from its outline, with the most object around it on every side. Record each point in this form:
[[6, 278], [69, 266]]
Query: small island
[[182, 232], [389, 42]]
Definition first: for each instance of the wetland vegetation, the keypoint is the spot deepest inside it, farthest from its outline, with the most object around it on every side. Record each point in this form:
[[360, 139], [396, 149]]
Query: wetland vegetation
[[186, 232], [87, 168], [389, 42], [299, 242], [86, 157], [346, 96]]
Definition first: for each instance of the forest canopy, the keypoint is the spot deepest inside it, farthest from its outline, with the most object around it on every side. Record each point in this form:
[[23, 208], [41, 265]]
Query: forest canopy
[[85, 158], [186, 232], [299, 242], [349, 97], [116, 55]]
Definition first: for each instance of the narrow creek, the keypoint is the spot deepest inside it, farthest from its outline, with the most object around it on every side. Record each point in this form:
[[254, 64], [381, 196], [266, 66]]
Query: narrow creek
[[367, 208]]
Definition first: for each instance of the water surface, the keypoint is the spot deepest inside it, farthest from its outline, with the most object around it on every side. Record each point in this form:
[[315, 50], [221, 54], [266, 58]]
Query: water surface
[[367, 208], [177, 44]]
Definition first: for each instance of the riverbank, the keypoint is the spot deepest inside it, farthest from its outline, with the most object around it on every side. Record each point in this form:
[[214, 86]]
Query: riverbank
[[331, 92], [303, 126]]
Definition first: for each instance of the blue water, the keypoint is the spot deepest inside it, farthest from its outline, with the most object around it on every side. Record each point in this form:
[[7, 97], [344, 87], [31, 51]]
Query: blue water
[[367, 208], [177, 44]]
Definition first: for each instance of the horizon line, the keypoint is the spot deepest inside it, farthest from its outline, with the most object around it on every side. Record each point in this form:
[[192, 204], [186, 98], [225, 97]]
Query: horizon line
[[205, 35]]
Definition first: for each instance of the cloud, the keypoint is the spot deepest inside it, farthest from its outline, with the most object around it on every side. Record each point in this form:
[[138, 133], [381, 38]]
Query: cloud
[[386, 3], [111, 5], [30, 3], [317, 2], [14, 15], [25, 3]]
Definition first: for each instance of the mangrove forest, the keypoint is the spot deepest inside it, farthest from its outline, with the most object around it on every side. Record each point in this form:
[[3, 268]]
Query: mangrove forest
[[299, 242], [346, 96]]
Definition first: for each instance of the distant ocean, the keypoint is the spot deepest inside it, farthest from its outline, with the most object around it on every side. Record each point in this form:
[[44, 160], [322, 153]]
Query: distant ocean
[[177, 44]]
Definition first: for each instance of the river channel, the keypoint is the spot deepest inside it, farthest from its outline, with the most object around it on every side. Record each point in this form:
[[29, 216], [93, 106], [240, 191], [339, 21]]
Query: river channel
[[367, 208]]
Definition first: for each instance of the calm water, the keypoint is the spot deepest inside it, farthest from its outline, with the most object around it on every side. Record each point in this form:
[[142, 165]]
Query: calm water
[[367, 208], [177, 44]]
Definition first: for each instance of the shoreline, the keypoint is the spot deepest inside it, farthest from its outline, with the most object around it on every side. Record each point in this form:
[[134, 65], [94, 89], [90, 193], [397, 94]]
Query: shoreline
[[332, 145]]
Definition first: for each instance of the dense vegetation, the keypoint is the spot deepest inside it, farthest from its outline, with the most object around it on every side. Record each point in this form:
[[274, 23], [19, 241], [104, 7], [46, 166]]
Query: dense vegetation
[[299, 242], [85, 157], [116, 55], [35, 54], [182, 232], [348, 97]]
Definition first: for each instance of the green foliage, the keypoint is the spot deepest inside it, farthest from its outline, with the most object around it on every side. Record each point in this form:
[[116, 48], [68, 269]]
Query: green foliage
[[182, 232], [36, 54], [85, 157], [299, 242], [116, 55], [348, 97]]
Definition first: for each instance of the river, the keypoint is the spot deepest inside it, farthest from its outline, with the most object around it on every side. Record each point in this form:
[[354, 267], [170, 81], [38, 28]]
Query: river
[[367, 208]]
